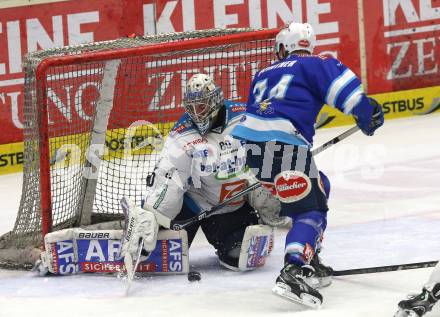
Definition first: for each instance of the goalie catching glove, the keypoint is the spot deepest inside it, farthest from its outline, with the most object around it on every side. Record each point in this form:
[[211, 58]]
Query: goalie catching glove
[[140, 224], [267, 205]]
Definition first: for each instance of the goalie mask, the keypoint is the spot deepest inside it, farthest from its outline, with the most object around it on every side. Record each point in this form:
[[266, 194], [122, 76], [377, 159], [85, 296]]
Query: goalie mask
[[202, 101], [295, 37]]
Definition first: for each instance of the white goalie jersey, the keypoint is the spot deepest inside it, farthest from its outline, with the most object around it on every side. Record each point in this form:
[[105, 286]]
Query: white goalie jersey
[[203, 171]]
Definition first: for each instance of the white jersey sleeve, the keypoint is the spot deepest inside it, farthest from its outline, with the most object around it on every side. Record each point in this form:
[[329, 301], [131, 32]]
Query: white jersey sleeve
[[169, 181]]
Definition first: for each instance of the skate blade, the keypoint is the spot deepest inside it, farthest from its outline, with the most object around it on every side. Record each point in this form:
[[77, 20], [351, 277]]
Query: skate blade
[[305, 299], [318, 282], [325, 281], [405, 313]]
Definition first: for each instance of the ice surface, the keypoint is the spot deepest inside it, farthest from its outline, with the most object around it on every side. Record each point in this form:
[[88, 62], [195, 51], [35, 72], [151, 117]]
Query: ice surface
[[385, 209]]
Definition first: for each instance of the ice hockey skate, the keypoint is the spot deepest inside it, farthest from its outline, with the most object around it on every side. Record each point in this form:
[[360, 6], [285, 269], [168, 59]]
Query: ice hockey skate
[[323, 274], [419, 304], [291, 285]]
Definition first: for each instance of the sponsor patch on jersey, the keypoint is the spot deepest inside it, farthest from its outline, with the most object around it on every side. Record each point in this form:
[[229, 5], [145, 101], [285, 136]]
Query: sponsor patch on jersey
[[243, 118], [179, 128], [230, 189], [265, 107], [238, 108], [292, 186], [161, 196], [193, 143]]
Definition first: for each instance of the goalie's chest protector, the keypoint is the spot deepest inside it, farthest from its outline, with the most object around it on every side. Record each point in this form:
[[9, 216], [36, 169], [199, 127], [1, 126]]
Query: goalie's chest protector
[[218, 164]]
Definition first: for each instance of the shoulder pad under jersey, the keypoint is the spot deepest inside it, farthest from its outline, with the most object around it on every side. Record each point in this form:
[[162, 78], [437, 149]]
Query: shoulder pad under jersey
[[184, 124], [234, 109]]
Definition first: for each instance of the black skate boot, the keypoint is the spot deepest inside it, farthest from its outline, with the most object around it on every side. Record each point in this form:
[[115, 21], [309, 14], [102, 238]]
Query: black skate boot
[[418, 305], [291, 285], [323, 274]]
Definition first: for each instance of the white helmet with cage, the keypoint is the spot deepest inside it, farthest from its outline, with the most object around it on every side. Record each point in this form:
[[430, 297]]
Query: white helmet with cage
[[295, 37], [202, 101]]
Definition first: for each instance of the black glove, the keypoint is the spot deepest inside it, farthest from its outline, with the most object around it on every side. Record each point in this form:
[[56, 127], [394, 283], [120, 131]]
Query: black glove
[[377, 119]]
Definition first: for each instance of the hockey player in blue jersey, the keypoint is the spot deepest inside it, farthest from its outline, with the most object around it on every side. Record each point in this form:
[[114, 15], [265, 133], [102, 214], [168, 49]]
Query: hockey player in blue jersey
[[284, 101]]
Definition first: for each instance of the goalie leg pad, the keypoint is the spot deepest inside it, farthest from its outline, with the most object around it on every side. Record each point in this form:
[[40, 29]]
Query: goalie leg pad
[[255, 248], [72, 251]]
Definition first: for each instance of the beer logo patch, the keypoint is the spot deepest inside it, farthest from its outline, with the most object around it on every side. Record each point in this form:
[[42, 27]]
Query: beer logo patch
[[292, 186]]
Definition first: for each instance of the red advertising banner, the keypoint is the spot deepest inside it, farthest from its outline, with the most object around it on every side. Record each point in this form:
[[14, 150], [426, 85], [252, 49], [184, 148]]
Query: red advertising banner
[[401, 36], [335, 22], [402, 44], [29, 28]]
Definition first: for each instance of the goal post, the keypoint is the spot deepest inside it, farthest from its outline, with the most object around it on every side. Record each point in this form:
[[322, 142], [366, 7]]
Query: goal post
[[95, 116]]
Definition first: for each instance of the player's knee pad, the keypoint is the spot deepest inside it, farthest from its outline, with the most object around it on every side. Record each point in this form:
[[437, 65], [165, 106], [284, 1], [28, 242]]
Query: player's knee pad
[[315, 221], [255, 247]]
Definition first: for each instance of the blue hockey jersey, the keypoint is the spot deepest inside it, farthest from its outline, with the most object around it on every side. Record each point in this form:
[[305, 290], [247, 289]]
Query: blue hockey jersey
[[286, 98]]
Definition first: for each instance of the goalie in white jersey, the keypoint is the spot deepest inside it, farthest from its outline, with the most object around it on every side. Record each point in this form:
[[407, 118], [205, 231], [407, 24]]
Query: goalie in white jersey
[[200, 166]]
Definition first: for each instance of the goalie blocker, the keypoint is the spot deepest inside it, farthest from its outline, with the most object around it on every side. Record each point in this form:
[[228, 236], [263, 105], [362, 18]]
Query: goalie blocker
[[72, 251]]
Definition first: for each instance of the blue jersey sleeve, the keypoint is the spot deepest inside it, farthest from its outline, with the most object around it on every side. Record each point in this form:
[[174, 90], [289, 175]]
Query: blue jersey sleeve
[[339, 87], [286, 97]]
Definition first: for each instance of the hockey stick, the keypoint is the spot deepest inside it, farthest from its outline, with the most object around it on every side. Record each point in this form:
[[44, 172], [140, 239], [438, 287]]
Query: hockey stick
[[131, 266], [387, 268], [335, 140], [181, 224]]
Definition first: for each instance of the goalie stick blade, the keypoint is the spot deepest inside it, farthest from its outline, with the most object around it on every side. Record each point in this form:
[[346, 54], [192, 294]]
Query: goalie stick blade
[[130, 263], [131, 267], [304, 299]]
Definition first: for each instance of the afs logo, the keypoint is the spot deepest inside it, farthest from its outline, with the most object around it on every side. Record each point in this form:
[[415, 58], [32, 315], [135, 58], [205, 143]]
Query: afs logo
[[292, 186]]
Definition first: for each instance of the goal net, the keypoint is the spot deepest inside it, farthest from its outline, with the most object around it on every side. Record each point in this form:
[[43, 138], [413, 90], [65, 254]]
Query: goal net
[[97, 114]]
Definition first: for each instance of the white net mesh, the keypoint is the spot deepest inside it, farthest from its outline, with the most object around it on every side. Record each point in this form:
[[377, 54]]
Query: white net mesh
[[107, 118]]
